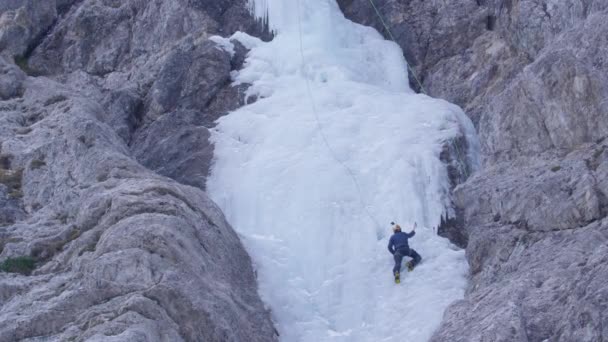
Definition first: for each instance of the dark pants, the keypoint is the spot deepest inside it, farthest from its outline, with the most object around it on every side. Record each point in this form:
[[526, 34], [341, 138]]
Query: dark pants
[[400, 253]]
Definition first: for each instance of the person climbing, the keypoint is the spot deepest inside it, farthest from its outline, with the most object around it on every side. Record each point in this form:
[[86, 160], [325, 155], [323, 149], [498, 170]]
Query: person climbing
[[399, 248]]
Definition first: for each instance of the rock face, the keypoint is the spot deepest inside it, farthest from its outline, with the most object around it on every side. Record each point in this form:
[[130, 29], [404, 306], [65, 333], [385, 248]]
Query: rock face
[[537, 250], [101, 104], [533, 76], [23, 23]]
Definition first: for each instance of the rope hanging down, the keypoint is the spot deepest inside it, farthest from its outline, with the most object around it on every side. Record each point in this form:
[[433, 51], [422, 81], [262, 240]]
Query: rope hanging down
[[350, 172], [326, 142], [390, 34]]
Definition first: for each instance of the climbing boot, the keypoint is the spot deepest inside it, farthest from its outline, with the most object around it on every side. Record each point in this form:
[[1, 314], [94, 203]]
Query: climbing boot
[[410, 266], [397, 280]]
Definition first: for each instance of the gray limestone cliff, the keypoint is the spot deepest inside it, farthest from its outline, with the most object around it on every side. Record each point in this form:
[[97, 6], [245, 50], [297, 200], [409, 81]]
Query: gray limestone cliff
[[533, 77], [105, 107]]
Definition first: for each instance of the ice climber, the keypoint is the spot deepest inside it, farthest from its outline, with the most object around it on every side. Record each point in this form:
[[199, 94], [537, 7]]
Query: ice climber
[[399, 248]]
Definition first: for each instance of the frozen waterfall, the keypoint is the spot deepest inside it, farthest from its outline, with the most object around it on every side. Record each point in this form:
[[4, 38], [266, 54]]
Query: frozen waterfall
[[336, 146]]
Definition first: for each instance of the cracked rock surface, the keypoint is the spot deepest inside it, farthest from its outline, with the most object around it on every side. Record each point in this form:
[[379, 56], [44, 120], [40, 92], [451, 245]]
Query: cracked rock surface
[[105, 108]]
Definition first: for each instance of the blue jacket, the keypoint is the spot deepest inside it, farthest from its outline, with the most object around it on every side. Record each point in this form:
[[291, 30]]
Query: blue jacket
[[399, 241]]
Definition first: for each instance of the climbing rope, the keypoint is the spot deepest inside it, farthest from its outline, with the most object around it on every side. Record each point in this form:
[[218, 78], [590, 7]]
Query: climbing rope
[[324, 137], [334, 155], [390, 34], [392, 37]]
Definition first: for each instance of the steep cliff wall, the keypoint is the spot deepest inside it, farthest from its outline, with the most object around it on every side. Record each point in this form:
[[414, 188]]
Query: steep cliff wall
[[533, 76], [100, 100]]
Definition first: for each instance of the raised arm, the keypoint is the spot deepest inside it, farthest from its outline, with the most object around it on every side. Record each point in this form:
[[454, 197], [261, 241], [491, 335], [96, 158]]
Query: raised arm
[[413, 232]]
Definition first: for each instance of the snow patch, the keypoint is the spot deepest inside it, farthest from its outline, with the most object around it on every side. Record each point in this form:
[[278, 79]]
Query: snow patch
[[223, 44]]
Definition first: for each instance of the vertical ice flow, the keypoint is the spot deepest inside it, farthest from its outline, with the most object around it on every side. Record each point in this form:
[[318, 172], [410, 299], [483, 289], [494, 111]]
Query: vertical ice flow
[[280, 175]]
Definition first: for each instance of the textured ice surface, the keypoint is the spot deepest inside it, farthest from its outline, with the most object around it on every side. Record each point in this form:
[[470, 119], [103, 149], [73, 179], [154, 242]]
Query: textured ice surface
[[282, 176]]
